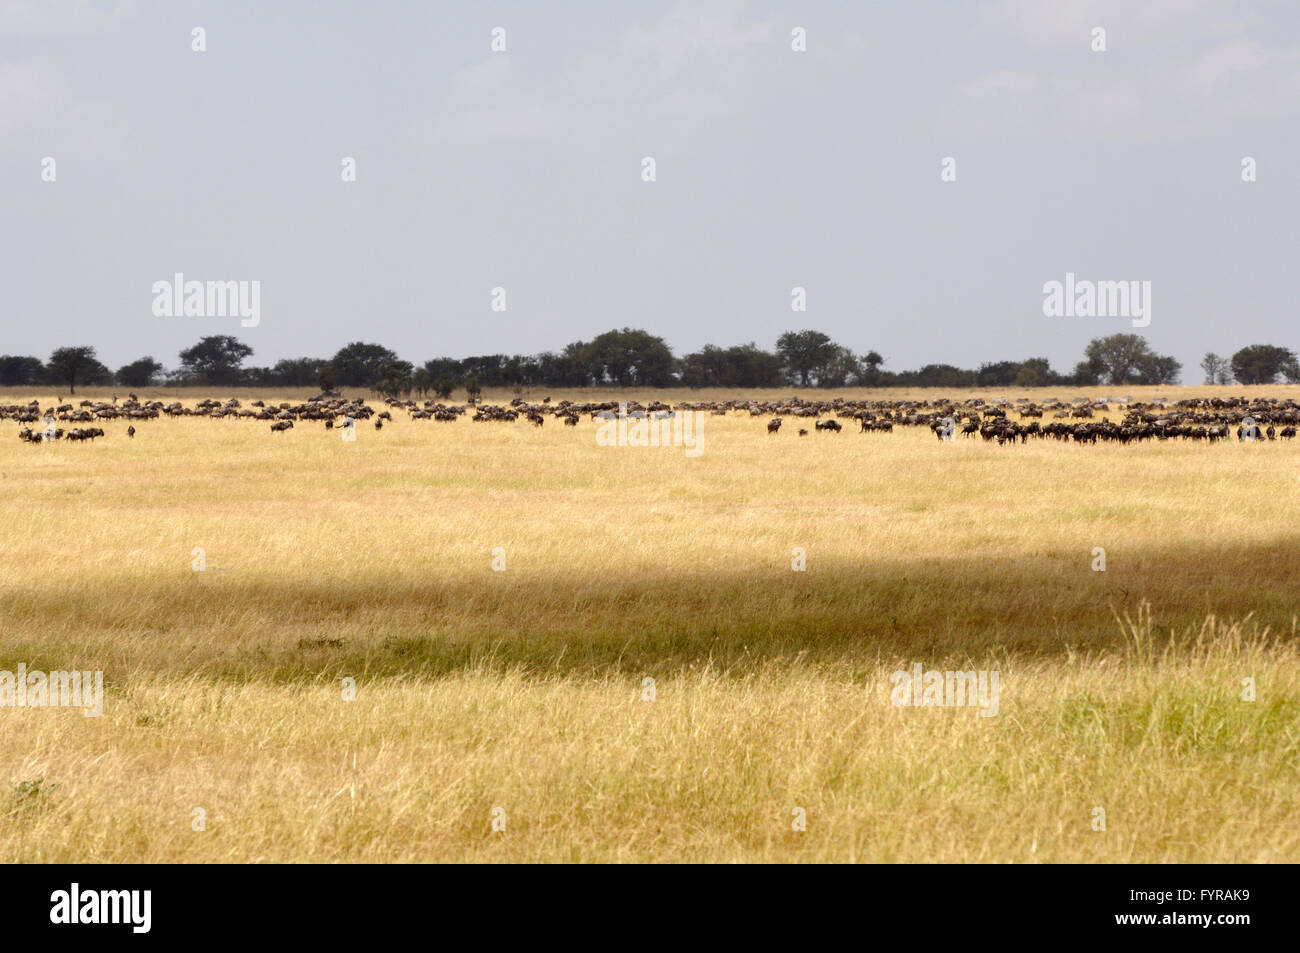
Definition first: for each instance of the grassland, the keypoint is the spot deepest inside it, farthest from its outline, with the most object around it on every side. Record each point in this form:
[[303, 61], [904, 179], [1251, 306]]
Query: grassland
[[522, 689]]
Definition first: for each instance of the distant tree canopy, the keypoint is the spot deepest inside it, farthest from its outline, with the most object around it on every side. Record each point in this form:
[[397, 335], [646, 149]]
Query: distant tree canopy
[[297, 371], [744, 365], [627, 358], [1260, 363], [808, 356], [141, 373], [216, 359], [1218, 370], [630, 357], [1128, 359], [361, 365], [77, 365], [16, 371], [395, 379]]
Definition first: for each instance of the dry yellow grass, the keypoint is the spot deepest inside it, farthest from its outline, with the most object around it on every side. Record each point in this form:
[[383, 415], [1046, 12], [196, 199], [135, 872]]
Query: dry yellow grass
[[522, 690]]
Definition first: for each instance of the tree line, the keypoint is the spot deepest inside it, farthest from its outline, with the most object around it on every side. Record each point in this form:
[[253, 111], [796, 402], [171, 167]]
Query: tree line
[[635, 358]]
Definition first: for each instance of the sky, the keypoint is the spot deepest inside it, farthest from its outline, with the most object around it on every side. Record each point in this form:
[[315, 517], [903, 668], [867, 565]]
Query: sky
[[775, 168]]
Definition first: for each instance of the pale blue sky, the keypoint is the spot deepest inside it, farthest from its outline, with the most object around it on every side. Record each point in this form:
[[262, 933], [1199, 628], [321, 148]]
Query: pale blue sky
[[775, 169]]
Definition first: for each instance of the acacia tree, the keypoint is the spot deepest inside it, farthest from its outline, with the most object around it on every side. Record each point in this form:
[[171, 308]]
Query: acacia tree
[[628, 358], [216, 359], [870, 374], [73, 365], [361, 365], [1260, 363], [1128, 359], [395, 378], [139, 373], [1035, 372], [805, 353]]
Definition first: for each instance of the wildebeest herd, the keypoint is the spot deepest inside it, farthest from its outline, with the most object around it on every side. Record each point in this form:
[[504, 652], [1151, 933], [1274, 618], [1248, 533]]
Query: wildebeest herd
[[1081, 420]]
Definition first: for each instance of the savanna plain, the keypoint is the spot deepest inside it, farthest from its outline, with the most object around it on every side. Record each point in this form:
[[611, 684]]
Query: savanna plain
[[398, 641]]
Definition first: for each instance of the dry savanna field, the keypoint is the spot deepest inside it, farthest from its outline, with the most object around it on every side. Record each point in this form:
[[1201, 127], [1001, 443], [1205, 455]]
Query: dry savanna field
[[519, 694]]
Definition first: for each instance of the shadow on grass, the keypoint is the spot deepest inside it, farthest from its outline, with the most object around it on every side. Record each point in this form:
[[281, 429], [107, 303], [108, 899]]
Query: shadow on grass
[[852, 617]]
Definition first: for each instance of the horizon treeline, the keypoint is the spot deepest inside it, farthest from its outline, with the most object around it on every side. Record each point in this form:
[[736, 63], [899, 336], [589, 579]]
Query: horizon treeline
[[635, 358]]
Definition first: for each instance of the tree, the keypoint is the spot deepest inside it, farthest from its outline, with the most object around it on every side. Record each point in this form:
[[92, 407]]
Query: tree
[[1087, 373], [629, 358], [1217, 369], [17, 370], [361, 365], [395, 379], [805, 353], [943, 375], [139, 373], [707, 367], [1128, 359], [1291, 370], [1259, 363], [216, 359], [70, 365], [841, 369], [564, 369], [870, 376], [487, 369], [297, 371], [420, 381], [1158, 369], [999, 374], [745, 365], [1035, 372], [327, 379]]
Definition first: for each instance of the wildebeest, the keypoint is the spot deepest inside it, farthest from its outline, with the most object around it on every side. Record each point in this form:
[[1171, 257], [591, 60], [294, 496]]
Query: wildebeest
[[1212, 420]]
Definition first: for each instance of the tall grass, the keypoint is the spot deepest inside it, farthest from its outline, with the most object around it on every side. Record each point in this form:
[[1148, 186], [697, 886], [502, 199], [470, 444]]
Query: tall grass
[[1120, 690]]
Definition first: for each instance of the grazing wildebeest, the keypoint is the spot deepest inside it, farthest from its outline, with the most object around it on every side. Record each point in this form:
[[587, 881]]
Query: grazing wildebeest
[[828, 425], [130, 431], [774, 425], [281, 425]]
